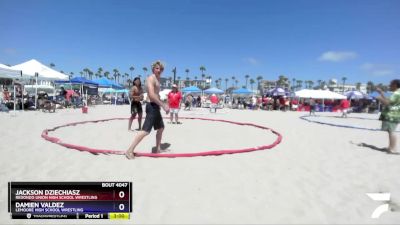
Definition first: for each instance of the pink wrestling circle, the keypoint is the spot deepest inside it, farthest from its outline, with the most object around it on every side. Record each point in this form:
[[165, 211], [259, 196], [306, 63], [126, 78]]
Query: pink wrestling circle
[[45, 135]]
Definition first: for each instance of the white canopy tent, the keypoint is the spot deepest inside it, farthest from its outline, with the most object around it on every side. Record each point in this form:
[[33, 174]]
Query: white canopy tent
[[9, 73], [32, 67], [4, 66], [318, 94], [31, 89]]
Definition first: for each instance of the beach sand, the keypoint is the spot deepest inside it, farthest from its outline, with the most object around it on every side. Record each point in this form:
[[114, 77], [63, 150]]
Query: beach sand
[[316, 175]]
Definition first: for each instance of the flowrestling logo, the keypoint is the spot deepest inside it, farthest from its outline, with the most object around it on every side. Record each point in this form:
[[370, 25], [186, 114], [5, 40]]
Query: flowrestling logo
[[383, 197]]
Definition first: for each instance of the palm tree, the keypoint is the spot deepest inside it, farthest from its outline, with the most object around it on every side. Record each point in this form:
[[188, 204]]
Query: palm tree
[[226, 84], [202, 69], [187, 73], [71, 74], [84, 72], [131, 69], [299, 83], [220, 81], [344, 81], [247, 77], [282, 80], [107, 74], [81, 73], [99, 72], [252, 81], [187, 83], [90, 74], [118, 76], [115, 75], [358, 86], [126, 75], [209, 78], [370, 87], [129, 81], [194, 81], [236, 82], [52, 65], [319, 83], [144, 70], [306, 83], [293, 82], [259, 78], [311, 83], [233, 81]]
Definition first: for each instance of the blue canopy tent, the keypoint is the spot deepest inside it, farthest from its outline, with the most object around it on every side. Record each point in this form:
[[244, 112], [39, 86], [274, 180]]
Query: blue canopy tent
[[82, 81], [192, 89], [214, 91], [242, 91], [111, 90], [77, 80], [105, 83]]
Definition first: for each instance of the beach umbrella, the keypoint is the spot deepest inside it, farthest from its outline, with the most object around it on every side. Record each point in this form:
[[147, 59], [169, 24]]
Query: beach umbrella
[[355, 95], [277, 91], [192, 89], [213, 91]]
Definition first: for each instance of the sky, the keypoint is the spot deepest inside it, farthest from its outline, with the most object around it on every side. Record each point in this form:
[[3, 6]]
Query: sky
[[305, 40]]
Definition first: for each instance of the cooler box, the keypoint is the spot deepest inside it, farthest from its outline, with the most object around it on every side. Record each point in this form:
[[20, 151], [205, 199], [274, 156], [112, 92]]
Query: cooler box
[[84, 109]]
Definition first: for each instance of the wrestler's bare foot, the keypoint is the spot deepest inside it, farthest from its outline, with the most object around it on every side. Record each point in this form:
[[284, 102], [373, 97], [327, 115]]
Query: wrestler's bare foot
[[130, 155], [392, 151]]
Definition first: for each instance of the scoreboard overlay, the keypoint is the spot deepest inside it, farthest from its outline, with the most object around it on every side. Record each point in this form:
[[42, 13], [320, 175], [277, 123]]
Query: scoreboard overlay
[[70, 200]]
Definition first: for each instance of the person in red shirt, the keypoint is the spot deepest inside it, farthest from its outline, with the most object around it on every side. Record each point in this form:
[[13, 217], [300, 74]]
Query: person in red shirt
[[174, 102], [345, 105], [214, 103]]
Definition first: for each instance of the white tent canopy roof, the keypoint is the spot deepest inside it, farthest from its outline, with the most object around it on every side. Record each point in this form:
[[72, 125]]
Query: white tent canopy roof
[[9, 73], [318, 94], [32, 66], [4, 66]]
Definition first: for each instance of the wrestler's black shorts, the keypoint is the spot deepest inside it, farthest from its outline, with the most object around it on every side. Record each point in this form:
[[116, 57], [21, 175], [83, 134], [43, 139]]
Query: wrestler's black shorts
[[136, 107], [153, 117]]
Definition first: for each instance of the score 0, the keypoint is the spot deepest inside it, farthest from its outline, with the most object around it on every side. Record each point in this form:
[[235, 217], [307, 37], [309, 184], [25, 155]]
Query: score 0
[[121, 200]]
